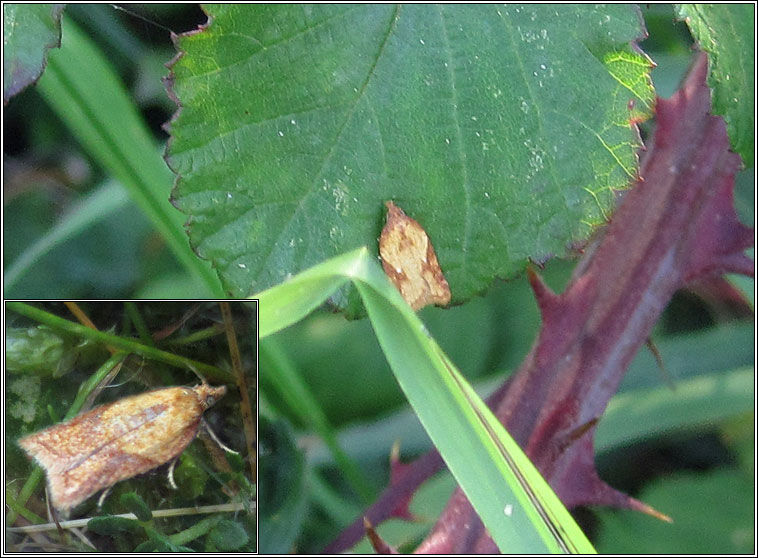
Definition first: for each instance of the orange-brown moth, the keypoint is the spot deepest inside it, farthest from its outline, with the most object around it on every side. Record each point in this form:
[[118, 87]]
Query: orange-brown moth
[[410, 262], [117, 441]]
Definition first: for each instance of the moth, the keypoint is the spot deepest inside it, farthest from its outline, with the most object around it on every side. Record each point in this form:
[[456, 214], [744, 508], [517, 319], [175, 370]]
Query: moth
[[409, 260], [118, 440]]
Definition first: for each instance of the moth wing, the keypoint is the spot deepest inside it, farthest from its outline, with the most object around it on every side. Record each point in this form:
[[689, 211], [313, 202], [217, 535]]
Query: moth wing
[[132, 454], [64, 446]]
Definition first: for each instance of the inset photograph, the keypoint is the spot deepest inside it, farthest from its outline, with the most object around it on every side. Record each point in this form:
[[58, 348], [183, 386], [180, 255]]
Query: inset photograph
[[131, 426]]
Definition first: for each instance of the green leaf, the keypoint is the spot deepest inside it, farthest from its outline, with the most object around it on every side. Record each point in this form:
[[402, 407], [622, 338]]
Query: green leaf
[[228, 535], [29, 31], [702, 524], [190, 477], [514, 502], [236, 462], [503, 130], [727, 33], [136, 505], [37, 350]]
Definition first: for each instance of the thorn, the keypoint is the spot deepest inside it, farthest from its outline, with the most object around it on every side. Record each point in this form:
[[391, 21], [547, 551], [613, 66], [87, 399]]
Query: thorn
[[379, 545], [398, 469], [572, 436], [580, 430], [659, 359], [395, 452], [649, 510], [536, 263], [546, 298]]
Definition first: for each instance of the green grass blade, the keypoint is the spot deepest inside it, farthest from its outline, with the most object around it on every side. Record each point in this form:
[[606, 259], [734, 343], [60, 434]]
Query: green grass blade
[[57, 323], [97, 206], [290, 302], [514, 502], [88, 96]]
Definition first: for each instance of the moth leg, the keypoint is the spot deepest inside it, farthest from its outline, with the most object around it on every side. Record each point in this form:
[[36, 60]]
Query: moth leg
[[215, 438], [171, 474], [103, 496]]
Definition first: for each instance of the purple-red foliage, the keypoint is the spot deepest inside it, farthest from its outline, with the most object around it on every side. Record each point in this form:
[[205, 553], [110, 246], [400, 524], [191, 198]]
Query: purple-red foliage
[[675, 225]]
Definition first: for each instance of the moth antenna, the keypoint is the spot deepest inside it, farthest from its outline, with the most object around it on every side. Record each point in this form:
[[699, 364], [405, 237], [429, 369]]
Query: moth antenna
[[104, 384], [134, 374], [198, 374]]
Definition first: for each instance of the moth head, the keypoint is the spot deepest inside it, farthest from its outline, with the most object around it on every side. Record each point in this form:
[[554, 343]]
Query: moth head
[[209, 395]]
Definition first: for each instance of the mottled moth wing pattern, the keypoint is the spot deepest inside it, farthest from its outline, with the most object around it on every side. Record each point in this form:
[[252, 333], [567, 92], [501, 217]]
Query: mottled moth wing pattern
[[117, 441], [409, 260]]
